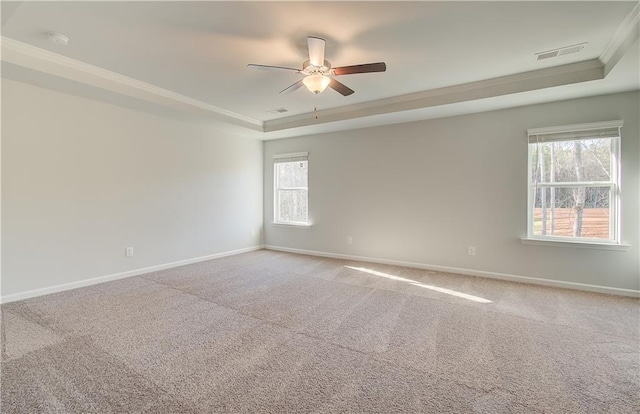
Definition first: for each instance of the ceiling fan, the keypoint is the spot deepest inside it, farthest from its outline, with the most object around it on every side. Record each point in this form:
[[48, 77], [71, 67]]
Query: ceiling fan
[[318, 72]]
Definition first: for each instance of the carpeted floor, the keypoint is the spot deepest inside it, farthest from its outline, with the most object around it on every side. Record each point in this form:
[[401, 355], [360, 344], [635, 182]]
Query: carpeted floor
[[276, 332]]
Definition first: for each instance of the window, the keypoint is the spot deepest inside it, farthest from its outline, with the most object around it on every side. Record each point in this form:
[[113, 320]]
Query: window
[[291, 197], [574, 186]]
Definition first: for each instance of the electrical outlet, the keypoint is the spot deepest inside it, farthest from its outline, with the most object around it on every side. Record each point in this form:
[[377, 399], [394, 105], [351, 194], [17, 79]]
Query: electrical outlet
[[349, 240], [253, 233], [471, 251], [128, 251]]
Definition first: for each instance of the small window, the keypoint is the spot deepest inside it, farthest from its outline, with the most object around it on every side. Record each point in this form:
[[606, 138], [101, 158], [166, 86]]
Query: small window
[[291, 183], [574, 186]]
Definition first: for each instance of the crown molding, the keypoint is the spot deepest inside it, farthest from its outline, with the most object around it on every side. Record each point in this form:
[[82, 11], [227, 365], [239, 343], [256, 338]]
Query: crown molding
[[624, 37], [42, 60], [504, 85], [35, 58]]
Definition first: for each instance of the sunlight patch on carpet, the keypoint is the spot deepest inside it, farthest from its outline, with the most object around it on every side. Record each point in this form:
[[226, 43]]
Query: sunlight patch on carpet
[[422, 285]]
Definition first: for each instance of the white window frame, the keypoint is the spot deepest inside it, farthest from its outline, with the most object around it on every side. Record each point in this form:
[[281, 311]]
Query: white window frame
[[538, 135], [281, 158]]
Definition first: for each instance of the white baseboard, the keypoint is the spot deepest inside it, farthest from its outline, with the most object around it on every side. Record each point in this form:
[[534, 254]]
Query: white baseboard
[[136, 272], [469, 272], [491, 275]]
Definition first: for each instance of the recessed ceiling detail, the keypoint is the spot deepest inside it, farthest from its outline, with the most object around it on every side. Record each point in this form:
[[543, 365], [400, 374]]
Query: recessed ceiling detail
[[190, 57]]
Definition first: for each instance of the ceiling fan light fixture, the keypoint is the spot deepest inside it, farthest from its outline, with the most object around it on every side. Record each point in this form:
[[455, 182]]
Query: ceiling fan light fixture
[[316, 83], [318, 71]]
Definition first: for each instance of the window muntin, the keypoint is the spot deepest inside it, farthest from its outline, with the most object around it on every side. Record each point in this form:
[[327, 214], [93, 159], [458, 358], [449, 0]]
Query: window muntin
[[291, 183], [574, 183]]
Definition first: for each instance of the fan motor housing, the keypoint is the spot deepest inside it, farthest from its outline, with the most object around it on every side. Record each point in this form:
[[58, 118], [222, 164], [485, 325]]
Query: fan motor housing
[[309, 69]]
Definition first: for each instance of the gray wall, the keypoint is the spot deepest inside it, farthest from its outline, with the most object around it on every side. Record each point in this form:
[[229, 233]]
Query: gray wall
[[82, 180], [422, 192]]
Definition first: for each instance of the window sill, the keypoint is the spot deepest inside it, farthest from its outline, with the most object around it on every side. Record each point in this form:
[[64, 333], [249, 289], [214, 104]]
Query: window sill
[[582, 245], [294, 225]]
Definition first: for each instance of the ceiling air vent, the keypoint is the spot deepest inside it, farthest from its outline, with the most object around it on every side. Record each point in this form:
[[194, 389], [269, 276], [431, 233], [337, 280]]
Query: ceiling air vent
[[277, 111], [567, 50], [547, 55]]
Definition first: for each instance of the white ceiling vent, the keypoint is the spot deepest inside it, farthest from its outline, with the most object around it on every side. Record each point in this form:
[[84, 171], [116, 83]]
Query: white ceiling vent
[[567, 50], [277, 111]]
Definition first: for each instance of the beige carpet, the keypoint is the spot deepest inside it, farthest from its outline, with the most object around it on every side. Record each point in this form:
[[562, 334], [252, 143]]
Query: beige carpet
[[276, 332]]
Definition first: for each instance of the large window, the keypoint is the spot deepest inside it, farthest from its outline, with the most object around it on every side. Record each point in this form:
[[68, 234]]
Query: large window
[[291, 183], [574, 183]]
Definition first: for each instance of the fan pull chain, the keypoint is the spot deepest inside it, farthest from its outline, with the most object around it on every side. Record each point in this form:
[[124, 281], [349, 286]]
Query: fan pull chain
[[315, 111]]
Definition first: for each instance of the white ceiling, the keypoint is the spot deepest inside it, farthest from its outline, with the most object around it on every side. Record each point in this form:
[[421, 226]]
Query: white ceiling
[[195, 54]]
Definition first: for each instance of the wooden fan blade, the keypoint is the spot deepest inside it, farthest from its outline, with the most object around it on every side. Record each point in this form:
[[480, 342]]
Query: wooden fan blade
[[293, 87], [252, 65], [316, 50], [341, 88], [364, 68]]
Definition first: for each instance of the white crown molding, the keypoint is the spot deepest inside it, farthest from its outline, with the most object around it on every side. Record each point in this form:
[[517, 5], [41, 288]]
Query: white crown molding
[[626, 34], [38, 59], [32, 57], [504, 85]]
